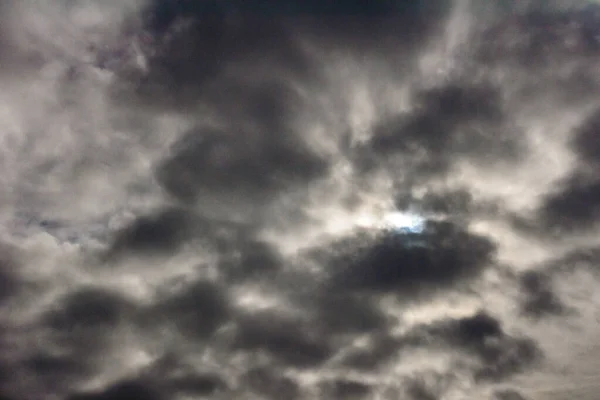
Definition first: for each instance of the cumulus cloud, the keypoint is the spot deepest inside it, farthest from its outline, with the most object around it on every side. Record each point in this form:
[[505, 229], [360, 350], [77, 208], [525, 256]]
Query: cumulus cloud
[[196, 196]]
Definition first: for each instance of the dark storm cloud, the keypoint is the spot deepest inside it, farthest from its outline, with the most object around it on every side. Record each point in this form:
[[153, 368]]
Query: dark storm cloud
[[499, 354], [509, 394], [452, 201], [10, 283], [195, 309], [123, 390], [425, 387], [270, 383], [256, 153], [196, 385], [161, 232], [450, 121], [439, 112], [441, 257], [55, 372], [198, 45], [196, 41], [240, 61], [343, 313], [249, 258], [237, 164], [243, 66], [76, 332], [88, 309], [345, 389], [541, 32], [573, 205], [587, 139], [539, 296], [286, 339]]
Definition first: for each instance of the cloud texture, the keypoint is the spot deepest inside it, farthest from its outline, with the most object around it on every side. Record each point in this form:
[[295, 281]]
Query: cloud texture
[[189, 189]]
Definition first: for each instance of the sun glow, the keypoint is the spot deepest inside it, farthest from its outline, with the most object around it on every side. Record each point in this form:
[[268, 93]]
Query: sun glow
[[398, 221]]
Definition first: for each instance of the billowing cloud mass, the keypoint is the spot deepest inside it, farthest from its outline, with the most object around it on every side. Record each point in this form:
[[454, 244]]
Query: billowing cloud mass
[[196, 200]]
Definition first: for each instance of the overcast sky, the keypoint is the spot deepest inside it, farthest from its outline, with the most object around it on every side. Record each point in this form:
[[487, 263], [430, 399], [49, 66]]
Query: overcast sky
[[191, 196]]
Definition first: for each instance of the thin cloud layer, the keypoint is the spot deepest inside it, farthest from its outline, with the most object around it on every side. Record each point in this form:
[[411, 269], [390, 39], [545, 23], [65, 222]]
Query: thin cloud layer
[[194, 193]]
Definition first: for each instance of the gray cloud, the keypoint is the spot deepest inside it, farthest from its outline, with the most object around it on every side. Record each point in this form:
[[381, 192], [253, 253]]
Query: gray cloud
[[447, 254], [509, 394], [540, 298], [214, 187]]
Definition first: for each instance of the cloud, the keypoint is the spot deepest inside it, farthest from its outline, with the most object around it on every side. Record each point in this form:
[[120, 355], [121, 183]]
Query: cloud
[[572, 205], [454, 121], [161, 232], [426, 387], [585, 142], [223, 185], [509, 394], [346, 389], [92, 309], [223, 166], [9, 280], [196, 310], [381, 349], [498, 355], [121, 390], [269, 382], [287, 340], [448, 254], [540, 298]]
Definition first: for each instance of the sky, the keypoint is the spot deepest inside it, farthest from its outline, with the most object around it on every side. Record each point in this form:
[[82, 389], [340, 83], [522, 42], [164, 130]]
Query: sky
[[364, 200]]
